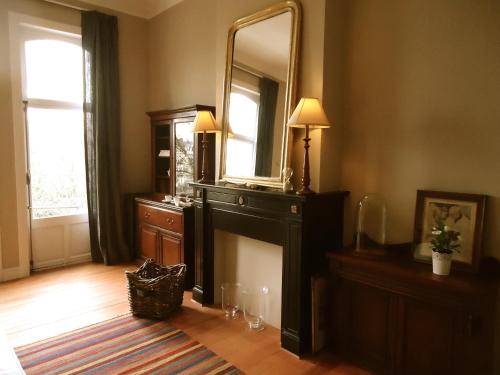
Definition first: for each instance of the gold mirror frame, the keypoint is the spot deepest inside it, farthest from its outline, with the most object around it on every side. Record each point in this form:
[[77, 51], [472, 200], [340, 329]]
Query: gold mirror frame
[[290, 93]]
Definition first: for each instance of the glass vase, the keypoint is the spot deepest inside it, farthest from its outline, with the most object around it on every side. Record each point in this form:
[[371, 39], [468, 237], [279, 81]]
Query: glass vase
[[231, 299], [254, 307]]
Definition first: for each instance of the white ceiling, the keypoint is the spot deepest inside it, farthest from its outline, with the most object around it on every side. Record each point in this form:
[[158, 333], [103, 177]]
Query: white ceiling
[[140, 8]]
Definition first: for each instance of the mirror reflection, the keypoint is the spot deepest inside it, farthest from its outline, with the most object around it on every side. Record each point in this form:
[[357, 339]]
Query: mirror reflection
[[257, 100]]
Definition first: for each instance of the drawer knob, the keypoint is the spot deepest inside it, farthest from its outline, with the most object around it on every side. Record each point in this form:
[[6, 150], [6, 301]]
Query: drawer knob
[[241, 200], [170, 221], [147, 215]]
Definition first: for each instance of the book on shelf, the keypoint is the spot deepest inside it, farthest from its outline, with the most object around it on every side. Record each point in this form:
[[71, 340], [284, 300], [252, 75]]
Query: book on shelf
[[164, 154]]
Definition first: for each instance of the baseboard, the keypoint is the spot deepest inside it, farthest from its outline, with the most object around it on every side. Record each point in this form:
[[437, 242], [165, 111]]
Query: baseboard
[[75, 259], [14, 273], [61, 263], [19, 272], [80, 258]]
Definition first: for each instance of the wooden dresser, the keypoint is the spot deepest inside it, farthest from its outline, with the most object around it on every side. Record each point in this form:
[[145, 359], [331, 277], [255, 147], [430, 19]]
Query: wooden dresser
[[165, 233], [392, 315]]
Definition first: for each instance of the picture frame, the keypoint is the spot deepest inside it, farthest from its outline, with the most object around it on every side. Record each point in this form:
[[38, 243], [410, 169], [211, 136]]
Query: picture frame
[[461, 212]]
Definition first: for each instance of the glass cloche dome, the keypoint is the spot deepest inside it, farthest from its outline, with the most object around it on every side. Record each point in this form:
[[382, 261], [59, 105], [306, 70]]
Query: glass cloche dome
[[371, 221]]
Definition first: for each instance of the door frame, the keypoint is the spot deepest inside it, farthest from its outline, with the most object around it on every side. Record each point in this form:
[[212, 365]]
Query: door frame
[[16, 20]]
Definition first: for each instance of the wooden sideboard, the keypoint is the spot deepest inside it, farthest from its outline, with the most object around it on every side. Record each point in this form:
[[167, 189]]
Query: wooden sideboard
[[165, 233], [306, 226], [392, 315]]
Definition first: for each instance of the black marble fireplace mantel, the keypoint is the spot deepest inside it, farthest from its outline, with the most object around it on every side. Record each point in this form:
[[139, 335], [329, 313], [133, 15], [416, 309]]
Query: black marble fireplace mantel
[[306, 226]]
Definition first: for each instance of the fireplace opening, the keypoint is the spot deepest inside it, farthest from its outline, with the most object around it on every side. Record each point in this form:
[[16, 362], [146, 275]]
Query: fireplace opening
[[252, 263]]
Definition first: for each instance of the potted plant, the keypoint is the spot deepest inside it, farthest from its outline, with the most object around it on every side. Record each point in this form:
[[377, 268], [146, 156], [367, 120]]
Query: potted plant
[[444, 243]]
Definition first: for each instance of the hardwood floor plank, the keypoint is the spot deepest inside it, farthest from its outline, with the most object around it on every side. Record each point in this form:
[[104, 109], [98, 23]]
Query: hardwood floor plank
[[56, 301]]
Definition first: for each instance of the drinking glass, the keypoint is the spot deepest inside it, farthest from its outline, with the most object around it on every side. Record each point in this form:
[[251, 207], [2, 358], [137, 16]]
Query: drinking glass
[[231, 299], [254, 306]]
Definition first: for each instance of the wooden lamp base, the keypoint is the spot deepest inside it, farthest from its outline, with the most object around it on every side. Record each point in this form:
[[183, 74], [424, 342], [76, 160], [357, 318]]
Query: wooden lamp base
[[306, 179]]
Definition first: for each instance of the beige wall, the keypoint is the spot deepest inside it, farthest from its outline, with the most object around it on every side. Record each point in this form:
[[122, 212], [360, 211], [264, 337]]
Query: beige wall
[[333, 94], [135, 132], [182, 56], [421, 105]]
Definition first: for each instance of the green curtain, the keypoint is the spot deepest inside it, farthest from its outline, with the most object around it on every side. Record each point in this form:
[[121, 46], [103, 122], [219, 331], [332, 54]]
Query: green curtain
[[265, 131], [102, 137]]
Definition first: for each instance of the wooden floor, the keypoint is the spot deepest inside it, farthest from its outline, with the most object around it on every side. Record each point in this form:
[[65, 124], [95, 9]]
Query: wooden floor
[[52, 302]]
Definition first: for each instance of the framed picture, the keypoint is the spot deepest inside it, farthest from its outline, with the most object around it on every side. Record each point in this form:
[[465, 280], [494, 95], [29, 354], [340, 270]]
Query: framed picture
[[461, 212]]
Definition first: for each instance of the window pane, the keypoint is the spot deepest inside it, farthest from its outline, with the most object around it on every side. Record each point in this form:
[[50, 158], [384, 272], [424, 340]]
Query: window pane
[[57, 162], [54, 70], [242, 160], [184, 157]]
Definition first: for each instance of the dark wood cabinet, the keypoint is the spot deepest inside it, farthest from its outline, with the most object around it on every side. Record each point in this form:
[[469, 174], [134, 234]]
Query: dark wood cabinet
[[395, 317], [428, 338], [370, 337], [165, 233], [176, 151]]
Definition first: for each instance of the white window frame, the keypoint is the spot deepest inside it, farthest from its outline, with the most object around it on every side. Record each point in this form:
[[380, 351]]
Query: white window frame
[[19, 25]]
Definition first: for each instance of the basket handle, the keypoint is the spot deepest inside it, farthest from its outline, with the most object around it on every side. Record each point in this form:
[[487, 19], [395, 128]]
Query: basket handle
[[182, 269]]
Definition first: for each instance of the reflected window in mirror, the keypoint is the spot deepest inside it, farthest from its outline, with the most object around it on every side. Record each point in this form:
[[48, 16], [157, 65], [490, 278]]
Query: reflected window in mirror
[[243, 116]]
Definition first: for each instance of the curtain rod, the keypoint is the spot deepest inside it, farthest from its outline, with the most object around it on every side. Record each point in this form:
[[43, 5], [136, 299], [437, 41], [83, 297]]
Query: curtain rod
[[251, 71], [63, 4], [248, 70]]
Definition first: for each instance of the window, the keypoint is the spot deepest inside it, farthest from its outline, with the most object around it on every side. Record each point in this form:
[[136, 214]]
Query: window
[[243, 119], [53, 87]]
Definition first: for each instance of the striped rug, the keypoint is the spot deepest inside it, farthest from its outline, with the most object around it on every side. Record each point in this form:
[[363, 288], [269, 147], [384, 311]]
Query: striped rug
[[123, 345]]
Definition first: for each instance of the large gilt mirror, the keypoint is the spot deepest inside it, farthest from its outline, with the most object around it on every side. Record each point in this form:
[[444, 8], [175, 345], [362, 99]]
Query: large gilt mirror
[[259, 95]]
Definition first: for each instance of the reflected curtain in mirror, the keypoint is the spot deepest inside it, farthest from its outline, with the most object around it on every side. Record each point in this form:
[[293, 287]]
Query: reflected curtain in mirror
[[265, 130], [102, 137]]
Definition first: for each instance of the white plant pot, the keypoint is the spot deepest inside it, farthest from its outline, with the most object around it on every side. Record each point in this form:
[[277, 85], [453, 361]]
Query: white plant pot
[[441, 263]]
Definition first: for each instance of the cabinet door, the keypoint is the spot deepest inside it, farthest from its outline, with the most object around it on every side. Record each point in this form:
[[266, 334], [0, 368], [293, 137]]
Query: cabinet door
[[171, 249], [148, 242], [362, 324], [428, 339], [370, 327]]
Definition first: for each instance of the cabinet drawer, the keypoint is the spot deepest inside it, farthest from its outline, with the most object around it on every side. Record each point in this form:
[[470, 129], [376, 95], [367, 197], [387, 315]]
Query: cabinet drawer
[[162, 218]]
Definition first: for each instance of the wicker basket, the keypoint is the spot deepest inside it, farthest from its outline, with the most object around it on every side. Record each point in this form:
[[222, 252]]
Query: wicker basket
[[155, 291]]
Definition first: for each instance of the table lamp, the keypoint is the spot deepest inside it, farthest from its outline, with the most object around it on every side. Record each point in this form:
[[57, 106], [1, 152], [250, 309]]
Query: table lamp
[[308, 114], [204, 122]]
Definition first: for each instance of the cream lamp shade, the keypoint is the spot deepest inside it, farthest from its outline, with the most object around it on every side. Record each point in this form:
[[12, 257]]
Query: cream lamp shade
[[204, 122], [309, 112]]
